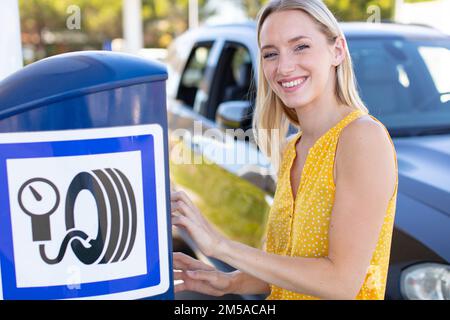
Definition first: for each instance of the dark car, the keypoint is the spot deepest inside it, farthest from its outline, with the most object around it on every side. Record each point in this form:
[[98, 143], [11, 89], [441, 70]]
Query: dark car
[[403, 75]]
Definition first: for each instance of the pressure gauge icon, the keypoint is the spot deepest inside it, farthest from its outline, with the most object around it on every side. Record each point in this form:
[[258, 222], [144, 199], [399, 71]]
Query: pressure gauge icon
[[39, 198]]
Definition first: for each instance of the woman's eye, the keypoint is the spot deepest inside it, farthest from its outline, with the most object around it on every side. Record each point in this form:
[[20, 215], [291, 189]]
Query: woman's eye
[[269, 55], [301, 47]]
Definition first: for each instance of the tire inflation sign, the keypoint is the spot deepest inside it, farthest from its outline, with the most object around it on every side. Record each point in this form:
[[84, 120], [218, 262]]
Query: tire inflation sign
[[83, 214]]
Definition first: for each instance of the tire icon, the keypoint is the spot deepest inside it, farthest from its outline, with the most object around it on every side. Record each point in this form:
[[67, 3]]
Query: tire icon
[[116, 215]]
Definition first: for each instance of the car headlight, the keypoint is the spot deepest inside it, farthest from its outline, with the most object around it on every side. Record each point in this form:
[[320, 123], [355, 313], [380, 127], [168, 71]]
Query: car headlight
[[426, 281]]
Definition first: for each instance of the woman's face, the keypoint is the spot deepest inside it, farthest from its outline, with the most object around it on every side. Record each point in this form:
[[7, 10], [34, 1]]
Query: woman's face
[[298, 61]]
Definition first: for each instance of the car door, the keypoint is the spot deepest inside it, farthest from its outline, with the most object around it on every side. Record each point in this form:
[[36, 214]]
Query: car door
[[199, 163]]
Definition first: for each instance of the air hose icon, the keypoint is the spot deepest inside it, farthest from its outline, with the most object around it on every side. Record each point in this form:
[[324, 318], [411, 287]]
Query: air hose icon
[[116, 216]]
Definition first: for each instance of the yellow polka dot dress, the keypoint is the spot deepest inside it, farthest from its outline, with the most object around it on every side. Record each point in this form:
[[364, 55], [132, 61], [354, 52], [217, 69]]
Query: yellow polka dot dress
[[299, 228]]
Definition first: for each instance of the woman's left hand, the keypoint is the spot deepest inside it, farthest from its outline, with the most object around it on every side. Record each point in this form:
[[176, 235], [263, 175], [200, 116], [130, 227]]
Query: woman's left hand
[[187, 216]]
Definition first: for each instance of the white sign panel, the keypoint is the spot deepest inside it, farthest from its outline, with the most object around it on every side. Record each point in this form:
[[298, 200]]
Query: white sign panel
[[83, 214]]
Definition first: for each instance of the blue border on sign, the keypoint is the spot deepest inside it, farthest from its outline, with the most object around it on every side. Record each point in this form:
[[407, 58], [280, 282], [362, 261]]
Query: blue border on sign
[[143, 143]]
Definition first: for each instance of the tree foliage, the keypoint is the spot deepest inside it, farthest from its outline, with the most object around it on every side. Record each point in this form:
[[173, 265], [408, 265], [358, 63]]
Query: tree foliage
[[100, 20], [357, 10], [163, 20], [345, 10], [99, 17]]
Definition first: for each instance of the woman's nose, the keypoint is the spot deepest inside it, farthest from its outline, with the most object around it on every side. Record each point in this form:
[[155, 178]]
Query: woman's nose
[[285, 65]]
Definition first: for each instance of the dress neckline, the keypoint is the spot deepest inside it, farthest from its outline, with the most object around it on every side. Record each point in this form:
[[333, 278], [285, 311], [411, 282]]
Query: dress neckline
[[299, 134], [293, 153]]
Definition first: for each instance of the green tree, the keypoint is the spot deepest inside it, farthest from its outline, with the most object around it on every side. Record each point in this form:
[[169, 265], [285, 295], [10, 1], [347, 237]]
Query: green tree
[[164, 20], [253, 7], [97, 16], [345, 10], [100, 20], [357, 10]]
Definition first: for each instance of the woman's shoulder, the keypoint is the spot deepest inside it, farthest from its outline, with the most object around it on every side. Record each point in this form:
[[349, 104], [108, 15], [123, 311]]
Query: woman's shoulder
[[366, 150], [364, 130], [365, 138]]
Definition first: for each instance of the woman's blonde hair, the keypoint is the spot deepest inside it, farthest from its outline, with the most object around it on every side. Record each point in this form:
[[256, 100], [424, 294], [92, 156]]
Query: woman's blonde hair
[[270, 112]]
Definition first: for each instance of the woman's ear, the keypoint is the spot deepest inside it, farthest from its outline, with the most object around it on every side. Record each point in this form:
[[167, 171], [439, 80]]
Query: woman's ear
[[339, 51]]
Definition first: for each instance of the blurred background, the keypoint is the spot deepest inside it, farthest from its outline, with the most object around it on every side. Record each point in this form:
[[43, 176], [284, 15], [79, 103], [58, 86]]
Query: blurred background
[[50, 27], [402, 72]]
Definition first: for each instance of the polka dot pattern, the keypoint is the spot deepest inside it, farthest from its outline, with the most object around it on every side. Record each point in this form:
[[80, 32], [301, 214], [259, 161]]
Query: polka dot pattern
[[299, 227]]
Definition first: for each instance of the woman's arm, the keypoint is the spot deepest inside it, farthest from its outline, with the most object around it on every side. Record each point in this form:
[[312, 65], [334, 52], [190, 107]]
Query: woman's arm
[[245, 283], [364, 185]]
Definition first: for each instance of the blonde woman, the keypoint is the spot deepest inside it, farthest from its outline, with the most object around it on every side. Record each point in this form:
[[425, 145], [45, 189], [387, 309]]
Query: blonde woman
[[330, 226]]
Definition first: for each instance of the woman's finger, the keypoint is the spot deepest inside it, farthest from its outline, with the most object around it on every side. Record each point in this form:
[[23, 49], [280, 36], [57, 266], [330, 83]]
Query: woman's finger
[[179, 262], [181, 195], [179, 275], [210, 276], [174, 209], [197, 286], [182, 261], [202, 287], [184, 222], [179, 287], [181, 221], [184, 210], [179, 207]]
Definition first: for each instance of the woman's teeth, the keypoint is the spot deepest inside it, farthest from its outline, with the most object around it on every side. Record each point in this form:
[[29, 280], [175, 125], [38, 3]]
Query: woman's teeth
[[293, 83]]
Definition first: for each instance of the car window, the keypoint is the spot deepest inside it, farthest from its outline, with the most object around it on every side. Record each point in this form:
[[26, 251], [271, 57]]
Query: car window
[[233, 78], [404, 83], [437, 58], [193, 73], [241, 66]]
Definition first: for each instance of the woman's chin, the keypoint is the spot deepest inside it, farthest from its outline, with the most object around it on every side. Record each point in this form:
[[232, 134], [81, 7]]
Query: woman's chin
[[295, 104]]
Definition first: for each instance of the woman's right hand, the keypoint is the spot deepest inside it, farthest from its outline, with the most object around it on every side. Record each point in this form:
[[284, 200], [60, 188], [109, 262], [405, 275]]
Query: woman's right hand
[[200, 277]]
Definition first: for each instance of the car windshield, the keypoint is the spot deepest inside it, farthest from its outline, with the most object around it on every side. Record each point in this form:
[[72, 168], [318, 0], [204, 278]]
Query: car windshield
[[405, 83]]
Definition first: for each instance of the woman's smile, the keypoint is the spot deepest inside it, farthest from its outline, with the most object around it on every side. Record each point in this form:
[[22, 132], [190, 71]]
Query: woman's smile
[[292, 84]]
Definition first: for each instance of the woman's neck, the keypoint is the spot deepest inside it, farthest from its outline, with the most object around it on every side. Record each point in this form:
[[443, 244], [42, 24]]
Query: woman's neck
[[316, 119]]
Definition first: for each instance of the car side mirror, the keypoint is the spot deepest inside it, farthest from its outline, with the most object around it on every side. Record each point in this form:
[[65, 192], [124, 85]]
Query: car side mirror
[[234, 114]]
